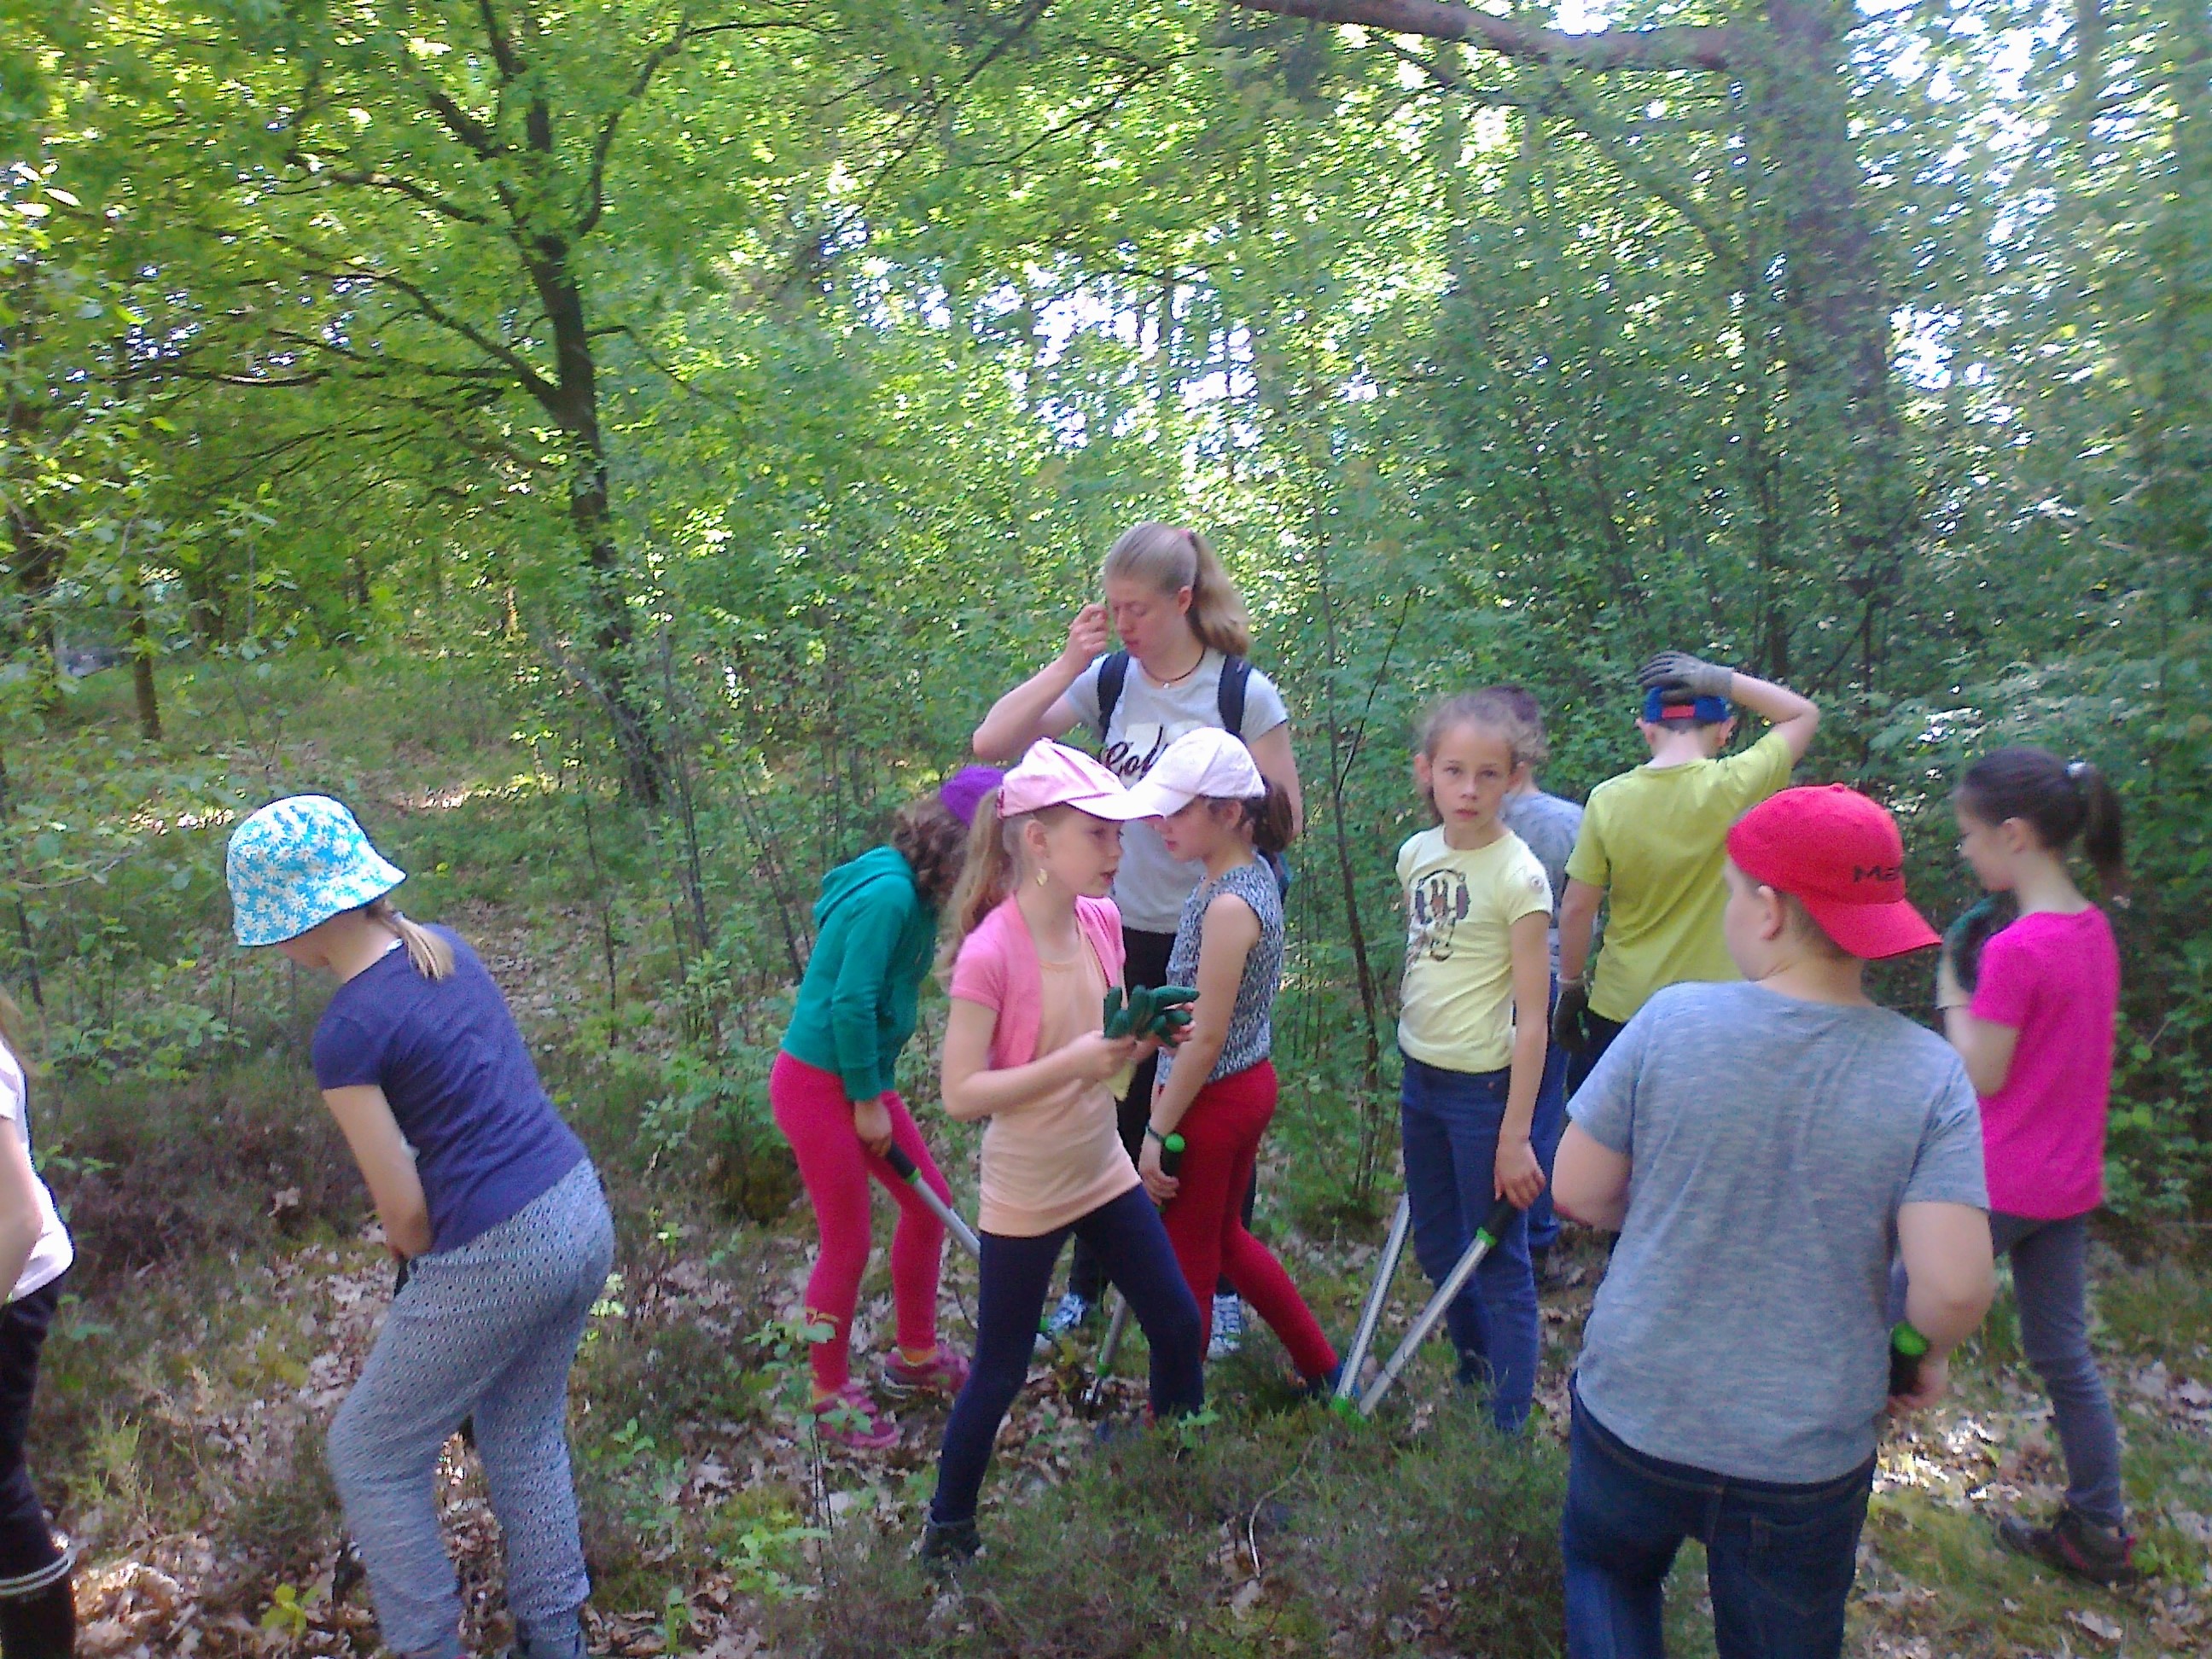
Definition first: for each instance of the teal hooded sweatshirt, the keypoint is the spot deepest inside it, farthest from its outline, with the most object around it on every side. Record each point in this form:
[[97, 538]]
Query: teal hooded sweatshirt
[[873, 937]]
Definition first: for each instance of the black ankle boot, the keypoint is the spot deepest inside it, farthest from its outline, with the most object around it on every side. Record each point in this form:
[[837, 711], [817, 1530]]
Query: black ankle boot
[[42, 1624]]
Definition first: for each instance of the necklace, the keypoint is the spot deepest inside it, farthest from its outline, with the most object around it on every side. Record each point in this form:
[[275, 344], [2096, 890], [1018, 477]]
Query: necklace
[[1166, 681]]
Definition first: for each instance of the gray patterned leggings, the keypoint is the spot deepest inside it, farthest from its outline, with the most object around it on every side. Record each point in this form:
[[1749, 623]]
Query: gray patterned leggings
[[490, 1330]]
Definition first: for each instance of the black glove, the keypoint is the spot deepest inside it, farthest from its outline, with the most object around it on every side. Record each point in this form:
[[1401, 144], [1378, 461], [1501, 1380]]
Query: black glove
[[1569, 1015], [1678, 670]]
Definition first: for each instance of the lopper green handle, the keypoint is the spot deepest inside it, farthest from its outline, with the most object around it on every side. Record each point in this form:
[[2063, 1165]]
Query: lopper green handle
[[1499, 1218], [1907, 1348], [1171, 1151]]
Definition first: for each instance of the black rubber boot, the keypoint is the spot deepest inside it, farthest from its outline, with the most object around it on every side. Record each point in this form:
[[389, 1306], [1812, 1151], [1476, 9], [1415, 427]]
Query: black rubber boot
[[42, 1624]]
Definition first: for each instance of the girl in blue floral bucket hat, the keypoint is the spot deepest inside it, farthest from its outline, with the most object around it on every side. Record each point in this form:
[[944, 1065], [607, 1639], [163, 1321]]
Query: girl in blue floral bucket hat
[[487, 1197]]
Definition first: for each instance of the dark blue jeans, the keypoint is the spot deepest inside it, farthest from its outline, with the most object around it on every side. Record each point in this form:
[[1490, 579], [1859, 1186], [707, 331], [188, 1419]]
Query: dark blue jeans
[[1131, 1244], [1779, 1559], [1448, 1123], [1545, 1129]]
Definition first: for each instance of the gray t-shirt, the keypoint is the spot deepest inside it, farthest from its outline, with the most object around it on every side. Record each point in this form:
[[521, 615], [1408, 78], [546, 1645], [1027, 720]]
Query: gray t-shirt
[[1251, 1035], [1151, 887], [1549, 825], [1742, 1327]]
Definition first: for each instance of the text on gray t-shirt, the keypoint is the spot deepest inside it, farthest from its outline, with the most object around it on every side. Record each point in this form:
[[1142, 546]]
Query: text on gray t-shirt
[[1741, 1327], [1150, 887]]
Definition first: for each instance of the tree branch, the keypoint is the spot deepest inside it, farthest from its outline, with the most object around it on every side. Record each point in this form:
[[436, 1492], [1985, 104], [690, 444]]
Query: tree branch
[[1674, 46]]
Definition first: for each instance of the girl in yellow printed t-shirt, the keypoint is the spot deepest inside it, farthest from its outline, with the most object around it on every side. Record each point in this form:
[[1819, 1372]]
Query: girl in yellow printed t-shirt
[[1472, 1028]]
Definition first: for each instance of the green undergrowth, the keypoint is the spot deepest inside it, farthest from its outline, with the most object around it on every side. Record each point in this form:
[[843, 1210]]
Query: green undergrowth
[[1438, 1541]]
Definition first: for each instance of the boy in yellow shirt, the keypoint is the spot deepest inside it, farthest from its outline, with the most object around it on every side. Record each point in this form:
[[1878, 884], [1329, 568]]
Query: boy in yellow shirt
[[1652, 841]]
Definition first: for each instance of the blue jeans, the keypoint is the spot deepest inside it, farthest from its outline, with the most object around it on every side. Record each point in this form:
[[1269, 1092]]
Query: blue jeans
[[1779, 1559], [1448, 1123], [1545, 1129]]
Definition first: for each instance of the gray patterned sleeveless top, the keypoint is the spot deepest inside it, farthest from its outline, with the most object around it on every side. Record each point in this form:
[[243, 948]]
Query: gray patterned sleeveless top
[[1251, 1032]]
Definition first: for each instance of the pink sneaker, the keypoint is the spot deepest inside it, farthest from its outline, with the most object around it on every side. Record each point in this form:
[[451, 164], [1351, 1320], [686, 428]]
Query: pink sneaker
[[849, 1419], [943, 1372]]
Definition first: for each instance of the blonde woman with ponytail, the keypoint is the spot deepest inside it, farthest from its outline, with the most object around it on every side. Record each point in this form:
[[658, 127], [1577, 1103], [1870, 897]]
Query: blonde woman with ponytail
[[488, 1199], [1185, 633]]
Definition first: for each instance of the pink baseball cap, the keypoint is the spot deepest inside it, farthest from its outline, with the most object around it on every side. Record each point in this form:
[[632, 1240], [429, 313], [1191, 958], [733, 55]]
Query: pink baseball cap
[[1838, 854], [1208, 761], [1052, 774]]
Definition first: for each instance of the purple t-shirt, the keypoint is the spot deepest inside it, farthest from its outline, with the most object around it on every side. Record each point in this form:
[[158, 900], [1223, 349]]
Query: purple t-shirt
[[449, 1060], [2056, 980]]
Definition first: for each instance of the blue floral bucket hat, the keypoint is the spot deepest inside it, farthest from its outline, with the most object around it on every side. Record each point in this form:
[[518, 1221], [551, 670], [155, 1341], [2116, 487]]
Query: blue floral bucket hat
[[298, 862]]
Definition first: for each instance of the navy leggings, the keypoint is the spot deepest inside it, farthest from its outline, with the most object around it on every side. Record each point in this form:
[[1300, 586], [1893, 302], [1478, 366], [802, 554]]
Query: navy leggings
[[1131, 1245]]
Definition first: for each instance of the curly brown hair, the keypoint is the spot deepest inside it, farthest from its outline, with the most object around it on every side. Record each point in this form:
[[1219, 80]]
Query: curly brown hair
[[931, 840]]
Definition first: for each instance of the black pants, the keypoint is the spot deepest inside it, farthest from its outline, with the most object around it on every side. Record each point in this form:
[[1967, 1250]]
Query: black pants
[[1580, 1065], [1145, 963], [26, 1546]]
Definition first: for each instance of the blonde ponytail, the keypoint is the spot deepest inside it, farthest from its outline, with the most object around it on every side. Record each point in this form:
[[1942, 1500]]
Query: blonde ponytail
[[1169, 558], [986, 876], [432, 956]]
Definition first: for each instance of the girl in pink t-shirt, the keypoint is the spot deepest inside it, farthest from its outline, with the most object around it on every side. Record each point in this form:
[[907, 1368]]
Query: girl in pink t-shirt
[[2033, 1021], [1036, 944]]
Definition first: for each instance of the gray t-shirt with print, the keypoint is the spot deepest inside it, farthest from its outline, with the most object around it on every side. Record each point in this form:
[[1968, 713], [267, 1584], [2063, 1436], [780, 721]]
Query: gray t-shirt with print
[[1151, 887], [1741, 1327], [1549, 824]]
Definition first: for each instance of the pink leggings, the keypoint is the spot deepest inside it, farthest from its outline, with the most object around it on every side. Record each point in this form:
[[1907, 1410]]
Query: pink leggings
[[816, 1118], [1205, 1220]]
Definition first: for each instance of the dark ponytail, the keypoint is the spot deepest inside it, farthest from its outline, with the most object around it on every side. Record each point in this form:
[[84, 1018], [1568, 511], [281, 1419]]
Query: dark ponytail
[[2058, 800], [1269, 817]]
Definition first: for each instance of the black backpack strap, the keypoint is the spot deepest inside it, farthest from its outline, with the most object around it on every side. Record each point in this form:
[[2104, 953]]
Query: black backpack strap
[[1113, 674], [1235, 671]]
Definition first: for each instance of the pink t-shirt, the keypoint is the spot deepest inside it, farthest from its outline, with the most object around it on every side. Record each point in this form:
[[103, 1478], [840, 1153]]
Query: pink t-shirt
[[2056, 980], [1048, 1161]]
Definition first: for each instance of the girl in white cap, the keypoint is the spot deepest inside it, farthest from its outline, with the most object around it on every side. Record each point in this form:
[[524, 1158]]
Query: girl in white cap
[[38, 1614], [1036, 944], [1218, 1090], [487, 1195]]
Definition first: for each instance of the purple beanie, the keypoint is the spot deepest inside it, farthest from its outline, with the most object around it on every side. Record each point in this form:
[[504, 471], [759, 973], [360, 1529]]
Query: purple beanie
[[965, 787]]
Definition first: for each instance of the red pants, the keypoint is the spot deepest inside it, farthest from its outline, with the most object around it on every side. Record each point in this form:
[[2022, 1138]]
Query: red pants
[[816, 1118], [1221, 1134]]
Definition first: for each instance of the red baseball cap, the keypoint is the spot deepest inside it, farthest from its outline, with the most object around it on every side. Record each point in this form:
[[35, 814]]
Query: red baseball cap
[[1838, 854]]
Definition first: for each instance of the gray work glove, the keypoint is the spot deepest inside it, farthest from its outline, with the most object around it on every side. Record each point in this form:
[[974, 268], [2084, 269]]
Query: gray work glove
[[1678, 670]]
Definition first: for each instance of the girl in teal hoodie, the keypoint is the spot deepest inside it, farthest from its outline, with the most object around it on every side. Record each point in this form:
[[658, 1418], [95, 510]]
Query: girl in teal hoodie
[[831, 1088]]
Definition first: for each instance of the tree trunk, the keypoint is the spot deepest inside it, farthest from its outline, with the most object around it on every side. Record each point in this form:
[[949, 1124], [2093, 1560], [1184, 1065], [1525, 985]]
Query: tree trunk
[[142, 671], [573, 400], [1835, 298]]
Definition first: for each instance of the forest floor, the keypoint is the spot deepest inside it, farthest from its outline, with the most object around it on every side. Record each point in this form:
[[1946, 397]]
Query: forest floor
[[230, 1291]]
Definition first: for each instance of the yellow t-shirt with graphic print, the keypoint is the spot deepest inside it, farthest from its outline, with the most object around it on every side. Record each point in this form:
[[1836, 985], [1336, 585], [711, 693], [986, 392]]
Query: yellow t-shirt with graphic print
[[1455, 997], [1654, 839]]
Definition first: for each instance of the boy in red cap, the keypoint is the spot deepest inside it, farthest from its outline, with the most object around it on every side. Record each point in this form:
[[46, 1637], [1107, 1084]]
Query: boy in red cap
[[1763, 1148]]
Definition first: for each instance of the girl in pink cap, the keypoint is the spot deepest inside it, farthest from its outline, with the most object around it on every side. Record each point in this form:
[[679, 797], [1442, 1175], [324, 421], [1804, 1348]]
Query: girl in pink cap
[[832, 1088], [1036, 944]]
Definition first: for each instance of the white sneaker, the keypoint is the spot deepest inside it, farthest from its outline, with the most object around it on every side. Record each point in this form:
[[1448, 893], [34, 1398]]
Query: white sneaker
[[1228, 1327], [1073, 1314]]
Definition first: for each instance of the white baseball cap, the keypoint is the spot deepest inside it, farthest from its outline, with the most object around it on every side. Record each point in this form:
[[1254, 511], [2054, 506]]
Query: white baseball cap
[[1208, 762]]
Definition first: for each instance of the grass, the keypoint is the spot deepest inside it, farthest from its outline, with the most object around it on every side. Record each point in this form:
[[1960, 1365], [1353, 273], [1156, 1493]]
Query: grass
[[223, 1258]]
